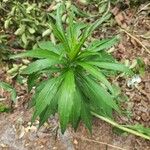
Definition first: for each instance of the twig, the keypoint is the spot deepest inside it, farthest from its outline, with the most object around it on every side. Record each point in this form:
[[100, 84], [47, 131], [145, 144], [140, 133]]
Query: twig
[[103, 143], [108, 8], [143, 8], [142, 91], [137, 40], [120, 126]]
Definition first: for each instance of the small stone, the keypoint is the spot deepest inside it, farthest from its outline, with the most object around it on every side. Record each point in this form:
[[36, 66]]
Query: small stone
[[33, 128], [27, 144], [3, 145], [36, 122], [46, 124], [142, 109], [145, 117], [137, 118], [75, 142], [144, 103], [41, 135], [29, 123]]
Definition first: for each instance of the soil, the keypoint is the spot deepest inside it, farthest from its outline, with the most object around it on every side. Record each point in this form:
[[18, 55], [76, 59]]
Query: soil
[[17, 134]]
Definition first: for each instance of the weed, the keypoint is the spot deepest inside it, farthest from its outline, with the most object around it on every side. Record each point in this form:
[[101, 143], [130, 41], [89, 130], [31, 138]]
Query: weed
[[76, 84]]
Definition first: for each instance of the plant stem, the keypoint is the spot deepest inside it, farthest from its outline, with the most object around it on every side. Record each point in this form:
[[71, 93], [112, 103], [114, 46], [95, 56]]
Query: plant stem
[[120, 126]]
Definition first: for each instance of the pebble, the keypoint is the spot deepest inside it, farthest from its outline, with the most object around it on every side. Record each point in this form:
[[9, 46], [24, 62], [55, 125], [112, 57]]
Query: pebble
[[75, 142], [145, 117], [137, 118]]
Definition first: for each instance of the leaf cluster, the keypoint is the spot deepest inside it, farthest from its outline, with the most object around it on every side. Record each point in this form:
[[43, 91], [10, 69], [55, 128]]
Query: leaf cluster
[[25, 21], [76, 82]]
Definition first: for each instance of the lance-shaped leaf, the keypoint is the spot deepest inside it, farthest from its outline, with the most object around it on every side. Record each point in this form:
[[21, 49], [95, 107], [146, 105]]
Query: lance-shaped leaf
[[101, 94], [110, 66], [38, 89], [49, 110], [58, 29], [87, 54], [96, 104], [102, 44], [88, 32], [47, 45], [92, 27], [46, 95], [76, 109], [39, 65], [32, 79], [86, 115], [37, 53], [66, 98], [97, 74], [59, 13]]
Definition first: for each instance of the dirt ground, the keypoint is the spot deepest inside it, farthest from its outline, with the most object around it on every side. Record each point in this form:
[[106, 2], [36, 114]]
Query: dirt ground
[[16, 133]]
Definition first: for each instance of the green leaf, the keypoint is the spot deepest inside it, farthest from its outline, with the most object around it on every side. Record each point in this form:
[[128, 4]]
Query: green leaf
[[24, 39], [97, 74], [46, 33], [102, 44], [66, 98], [110, 66], [76, 109], [38, 89], [101, 94], [81, 13], [39, 65], [20, 30], [87, 32], [73, 33], [31, 81], [47, 45], [59, 13], [87, 54], [49, 110], [10, 89], [95, 102], [37, 53], [46, 95], [117, 91], [103, 57], [45, 115], [58, 28], [92, 27], [86, 115], [31, 30], [7, 23]]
